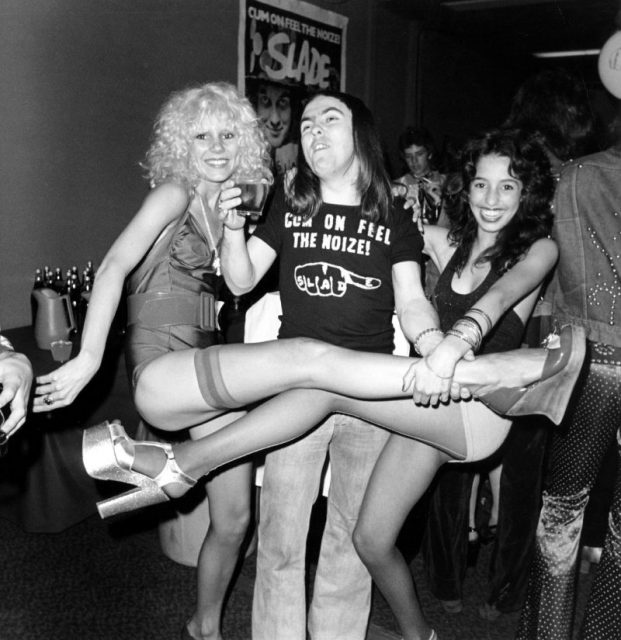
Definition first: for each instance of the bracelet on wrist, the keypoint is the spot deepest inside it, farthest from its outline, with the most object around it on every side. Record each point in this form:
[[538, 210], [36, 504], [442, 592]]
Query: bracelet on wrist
[[479, 312], [422, 334], [468, 330]]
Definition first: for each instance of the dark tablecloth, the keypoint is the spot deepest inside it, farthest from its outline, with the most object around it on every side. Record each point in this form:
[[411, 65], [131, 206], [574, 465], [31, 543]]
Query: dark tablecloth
[[43, 484]]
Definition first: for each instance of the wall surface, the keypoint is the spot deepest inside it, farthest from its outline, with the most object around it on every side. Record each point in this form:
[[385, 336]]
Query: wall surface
[[83, 80]]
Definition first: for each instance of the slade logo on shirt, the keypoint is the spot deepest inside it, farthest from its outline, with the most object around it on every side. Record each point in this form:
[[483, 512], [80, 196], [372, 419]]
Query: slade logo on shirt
[[325, 279]]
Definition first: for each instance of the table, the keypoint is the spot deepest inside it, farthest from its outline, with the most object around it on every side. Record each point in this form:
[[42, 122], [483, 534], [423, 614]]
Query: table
[[43, 485]]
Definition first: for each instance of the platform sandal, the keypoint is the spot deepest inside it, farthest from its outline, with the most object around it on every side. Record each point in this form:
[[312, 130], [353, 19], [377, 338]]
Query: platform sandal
[[550, 395], [108, 454]]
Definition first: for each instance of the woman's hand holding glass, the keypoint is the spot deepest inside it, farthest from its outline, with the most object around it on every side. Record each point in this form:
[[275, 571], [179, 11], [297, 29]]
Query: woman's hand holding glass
[[61, 387], [228, 200]]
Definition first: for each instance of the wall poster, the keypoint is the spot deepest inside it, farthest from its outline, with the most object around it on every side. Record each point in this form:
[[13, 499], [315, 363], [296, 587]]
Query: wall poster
[[287, 49]]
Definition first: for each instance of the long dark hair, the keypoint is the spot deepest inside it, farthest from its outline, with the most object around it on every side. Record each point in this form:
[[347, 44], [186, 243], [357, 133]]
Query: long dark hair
[[529, 163], [303, 191], [554, 105]]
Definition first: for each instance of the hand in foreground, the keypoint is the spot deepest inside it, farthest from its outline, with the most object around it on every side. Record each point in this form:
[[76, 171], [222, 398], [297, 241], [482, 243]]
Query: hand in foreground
[[457, 391], [428, 386], [431, 378], [16, 379], [61, 387], [227, 201]]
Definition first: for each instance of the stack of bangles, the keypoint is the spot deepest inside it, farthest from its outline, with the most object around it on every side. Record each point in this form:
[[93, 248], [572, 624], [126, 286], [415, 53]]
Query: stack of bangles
[[469, 329]]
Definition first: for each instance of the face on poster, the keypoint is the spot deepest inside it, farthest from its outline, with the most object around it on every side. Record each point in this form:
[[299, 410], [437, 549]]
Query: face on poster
[[288, 50]]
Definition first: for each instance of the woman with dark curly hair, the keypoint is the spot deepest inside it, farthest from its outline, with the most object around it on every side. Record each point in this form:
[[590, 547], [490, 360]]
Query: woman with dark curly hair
[[533, 218], [492, 262]]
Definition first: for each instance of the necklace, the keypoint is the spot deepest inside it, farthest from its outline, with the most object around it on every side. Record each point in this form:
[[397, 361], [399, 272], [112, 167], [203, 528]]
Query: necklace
[[212, 240]]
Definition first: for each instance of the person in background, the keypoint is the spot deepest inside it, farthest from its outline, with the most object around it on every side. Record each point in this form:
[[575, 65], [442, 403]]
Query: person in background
[[553, 106], [277, 106], [423, 181], [583, 290], [15, 383], [170, 256]]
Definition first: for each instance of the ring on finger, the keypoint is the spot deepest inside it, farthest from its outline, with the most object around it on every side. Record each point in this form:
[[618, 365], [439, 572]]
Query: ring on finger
[[48, 399]]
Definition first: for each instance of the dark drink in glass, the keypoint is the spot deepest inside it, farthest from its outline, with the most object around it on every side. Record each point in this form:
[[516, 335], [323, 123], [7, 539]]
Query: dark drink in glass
[[253, 195]]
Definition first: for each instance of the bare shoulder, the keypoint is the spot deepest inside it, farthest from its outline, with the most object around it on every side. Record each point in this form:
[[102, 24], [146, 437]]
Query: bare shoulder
[[545, 248], [437, 245], [436, 238], [170, 192], [165, 202]]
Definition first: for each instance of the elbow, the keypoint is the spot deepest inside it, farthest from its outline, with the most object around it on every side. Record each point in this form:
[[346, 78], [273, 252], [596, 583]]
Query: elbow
[[237, 290], [240, 285]]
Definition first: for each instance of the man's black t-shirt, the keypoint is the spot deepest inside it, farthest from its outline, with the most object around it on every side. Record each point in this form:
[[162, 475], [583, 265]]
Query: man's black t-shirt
[[335, 275]]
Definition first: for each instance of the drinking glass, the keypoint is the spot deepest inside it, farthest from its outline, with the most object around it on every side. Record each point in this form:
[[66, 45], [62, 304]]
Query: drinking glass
[[255, 188], [61, 350]]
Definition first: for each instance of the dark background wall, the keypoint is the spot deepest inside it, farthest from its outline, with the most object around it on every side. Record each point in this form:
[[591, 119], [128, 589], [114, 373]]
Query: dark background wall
[[82, 81]]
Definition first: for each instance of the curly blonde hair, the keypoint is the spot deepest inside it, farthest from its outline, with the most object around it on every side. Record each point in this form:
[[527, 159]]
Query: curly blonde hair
[[169, 158]]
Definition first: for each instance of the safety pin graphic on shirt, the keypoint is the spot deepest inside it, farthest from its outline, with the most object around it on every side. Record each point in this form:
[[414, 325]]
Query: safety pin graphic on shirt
[[325, 279]]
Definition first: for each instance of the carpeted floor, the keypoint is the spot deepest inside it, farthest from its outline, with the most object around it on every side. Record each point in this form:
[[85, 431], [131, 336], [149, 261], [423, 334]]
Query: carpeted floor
[[101, 581]]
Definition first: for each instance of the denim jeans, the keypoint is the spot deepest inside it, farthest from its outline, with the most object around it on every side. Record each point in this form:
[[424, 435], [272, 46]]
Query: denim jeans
[[341, 596]]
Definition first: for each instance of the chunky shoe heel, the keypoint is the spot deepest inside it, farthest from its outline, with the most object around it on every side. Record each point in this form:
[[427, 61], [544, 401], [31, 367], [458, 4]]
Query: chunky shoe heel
[[108, 454], [550, 395]]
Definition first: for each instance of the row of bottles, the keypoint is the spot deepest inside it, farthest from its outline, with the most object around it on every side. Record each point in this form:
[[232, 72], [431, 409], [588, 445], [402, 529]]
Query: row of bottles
[[60, 301], [53, 279]]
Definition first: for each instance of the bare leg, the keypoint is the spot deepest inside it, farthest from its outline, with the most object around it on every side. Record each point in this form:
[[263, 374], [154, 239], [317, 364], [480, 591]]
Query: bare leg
[[401, 475], [472, 508], [228, 493], [494, 483], [271, 424], [168, 394], [229, 510]]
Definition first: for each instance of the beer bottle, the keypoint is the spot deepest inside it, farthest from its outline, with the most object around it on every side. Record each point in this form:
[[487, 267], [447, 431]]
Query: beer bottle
[[59, 283], [38, 284], [38, 280], [90, 271], [48, 277]]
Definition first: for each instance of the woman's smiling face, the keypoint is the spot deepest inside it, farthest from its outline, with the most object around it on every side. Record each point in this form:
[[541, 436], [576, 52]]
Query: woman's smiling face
[[494, 194], [215, 148]]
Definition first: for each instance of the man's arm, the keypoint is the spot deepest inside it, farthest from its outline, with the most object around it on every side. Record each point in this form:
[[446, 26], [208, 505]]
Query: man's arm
[[421, 326], [414, 310]]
